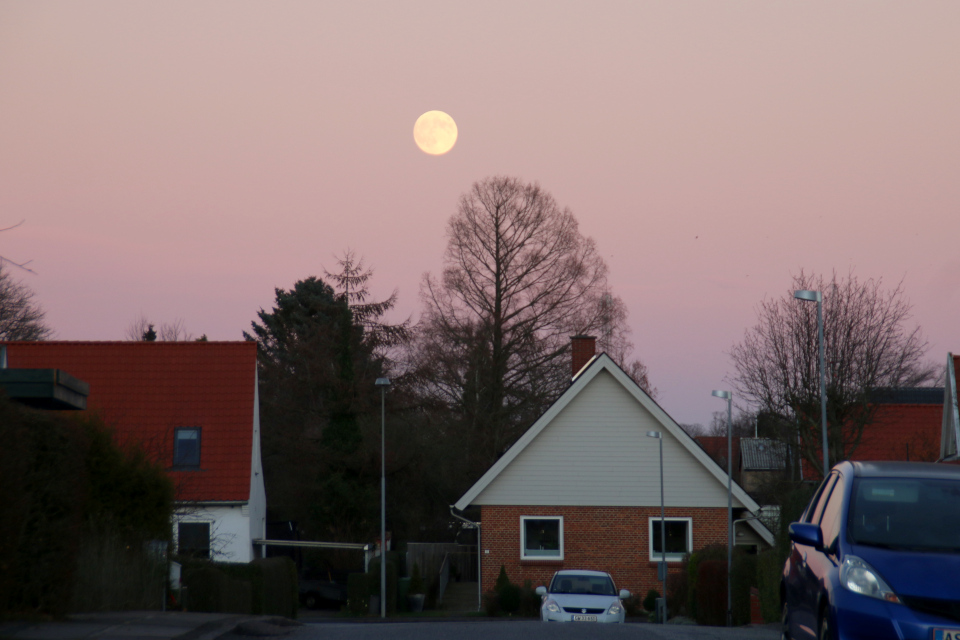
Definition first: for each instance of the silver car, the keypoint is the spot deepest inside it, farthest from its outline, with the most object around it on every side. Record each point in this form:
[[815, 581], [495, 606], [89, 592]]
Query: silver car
[[581, 596]]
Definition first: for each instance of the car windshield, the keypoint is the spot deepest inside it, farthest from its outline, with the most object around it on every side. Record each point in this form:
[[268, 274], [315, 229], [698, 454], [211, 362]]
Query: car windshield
[[920, 514], [582, 584]]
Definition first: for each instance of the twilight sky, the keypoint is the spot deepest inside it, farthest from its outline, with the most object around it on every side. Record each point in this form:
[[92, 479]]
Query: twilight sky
[[182, 159]]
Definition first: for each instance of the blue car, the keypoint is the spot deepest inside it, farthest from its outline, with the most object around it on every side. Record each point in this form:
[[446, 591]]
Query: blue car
[[876, 555]]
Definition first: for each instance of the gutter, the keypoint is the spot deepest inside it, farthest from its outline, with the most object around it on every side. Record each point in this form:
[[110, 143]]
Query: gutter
[[470, 524]]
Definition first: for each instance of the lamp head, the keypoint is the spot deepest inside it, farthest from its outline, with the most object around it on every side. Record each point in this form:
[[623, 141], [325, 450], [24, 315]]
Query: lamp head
[[726, 395], [654, 434], [382, 382], [811, 296]]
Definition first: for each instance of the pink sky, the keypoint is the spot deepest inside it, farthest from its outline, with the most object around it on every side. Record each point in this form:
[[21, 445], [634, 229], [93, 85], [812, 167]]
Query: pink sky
[[182, 159]]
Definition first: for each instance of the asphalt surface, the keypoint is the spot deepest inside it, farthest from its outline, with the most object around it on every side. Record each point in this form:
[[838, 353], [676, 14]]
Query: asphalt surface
[[155, 625]]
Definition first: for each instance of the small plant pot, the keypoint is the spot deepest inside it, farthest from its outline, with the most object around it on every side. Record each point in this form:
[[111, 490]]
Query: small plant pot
[[415, 602]]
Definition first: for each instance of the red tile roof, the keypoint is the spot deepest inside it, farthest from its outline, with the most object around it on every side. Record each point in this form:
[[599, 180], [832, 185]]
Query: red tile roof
[[144, 390]]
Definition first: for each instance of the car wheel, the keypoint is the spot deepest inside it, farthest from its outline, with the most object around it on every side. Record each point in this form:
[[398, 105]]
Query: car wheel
[[310, 601], [785, 623]]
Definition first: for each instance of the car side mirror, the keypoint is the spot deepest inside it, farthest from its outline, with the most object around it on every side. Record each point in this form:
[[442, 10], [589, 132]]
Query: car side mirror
[[541, 591], [624, 594], [808, 534]]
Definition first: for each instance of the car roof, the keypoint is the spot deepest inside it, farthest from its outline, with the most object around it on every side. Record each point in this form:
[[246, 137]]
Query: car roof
[[581, 572], [885, 469]]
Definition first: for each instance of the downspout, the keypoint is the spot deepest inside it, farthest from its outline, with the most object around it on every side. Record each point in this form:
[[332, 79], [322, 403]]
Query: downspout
[[470, 524]]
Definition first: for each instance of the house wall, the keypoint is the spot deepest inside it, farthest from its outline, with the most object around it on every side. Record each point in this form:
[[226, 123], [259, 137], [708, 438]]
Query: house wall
[[596, 452], [612, 539], [258, 494], [230, 526]]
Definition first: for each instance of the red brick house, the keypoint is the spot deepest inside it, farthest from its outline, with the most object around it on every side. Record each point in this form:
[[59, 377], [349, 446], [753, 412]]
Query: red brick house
[[193, 406], [581, 489]]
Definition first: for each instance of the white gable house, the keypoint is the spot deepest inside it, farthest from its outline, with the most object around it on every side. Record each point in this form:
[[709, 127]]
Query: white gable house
[[581, 489]]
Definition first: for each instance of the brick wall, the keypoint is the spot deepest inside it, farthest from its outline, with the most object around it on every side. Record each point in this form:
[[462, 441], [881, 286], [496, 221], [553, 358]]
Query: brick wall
[[612, 539]]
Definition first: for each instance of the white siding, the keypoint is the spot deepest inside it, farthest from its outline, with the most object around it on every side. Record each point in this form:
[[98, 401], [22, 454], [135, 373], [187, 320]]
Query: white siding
[[595, 452]]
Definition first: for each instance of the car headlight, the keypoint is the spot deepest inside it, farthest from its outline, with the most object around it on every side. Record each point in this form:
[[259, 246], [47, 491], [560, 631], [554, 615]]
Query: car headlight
[[614, 609], [552, 607], [859, 577]]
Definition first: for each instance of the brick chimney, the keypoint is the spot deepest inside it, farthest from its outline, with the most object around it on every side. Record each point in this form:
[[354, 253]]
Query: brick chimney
[[583, 348]]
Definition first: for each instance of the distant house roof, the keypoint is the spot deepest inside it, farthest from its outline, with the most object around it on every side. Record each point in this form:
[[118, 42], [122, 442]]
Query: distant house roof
[[763, 454], [145, 390]]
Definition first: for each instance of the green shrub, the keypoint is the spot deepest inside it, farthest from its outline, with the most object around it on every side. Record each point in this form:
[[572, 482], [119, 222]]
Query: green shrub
[[391, 582], [359, 588], [743, 577], [509, 598], [529, 600], [262, 587], [711, 552], [502, 579], [416, 581], [769, 573], [491, 604], [650, 602], [712, 592]]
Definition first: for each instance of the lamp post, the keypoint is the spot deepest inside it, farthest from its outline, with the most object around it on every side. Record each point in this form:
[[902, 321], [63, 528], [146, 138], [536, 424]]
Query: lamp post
[[817, 296], [663, 537], [383, 383], [726, 395]]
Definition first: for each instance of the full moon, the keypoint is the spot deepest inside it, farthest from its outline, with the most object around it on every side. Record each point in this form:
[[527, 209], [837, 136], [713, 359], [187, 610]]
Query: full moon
[[435, 133]]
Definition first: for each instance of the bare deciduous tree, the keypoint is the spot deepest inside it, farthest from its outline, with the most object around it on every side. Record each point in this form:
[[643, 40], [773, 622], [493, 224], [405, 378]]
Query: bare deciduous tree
[[141, 329], [868, 346], [21, 318], [519, 280]]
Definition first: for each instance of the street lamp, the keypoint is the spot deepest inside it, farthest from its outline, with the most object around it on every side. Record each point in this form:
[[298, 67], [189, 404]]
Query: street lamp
[[726, 395], [663, 537], [383, 383], [816, 296]]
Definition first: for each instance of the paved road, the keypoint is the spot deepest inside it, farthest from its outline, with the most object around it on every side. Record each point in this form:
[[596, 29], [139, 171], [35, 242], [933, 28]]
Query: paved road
[[520, 630]]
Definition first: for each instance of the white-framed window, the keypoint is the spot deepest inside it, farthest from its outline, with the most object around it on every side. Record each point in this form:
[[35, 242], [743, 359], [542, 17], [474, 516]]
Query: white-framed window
[[679, 533], [541, 537], [193, 539]]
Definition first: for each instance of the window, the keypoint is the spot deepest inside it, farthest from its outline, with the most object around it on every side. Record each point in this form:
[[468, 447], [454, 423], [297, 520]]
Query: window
[[815, 508], [830, 517], [541, 537], [186, 447], [193, 539], [679, 532]]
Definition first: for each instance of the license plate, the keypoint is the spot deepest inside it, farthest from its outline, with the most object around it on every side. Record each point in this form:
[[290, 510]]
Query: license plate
[[946, 634], [580, 618]]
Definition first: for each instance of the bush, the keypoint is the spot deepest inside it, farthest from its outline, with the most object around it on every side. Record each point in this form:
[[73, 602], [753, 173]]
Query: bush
[[509, 598], [712, 552], [529, 601], [650, 602], [262, 587], [416, 581], [769, 573], [742, 578], [359, 588], [712, 592], [491, 604]]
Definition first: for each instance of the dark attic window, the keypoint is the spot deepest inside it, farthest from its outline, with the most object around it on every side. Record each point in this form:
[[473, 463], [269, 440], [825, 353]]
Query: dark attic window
[[186, 448]]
